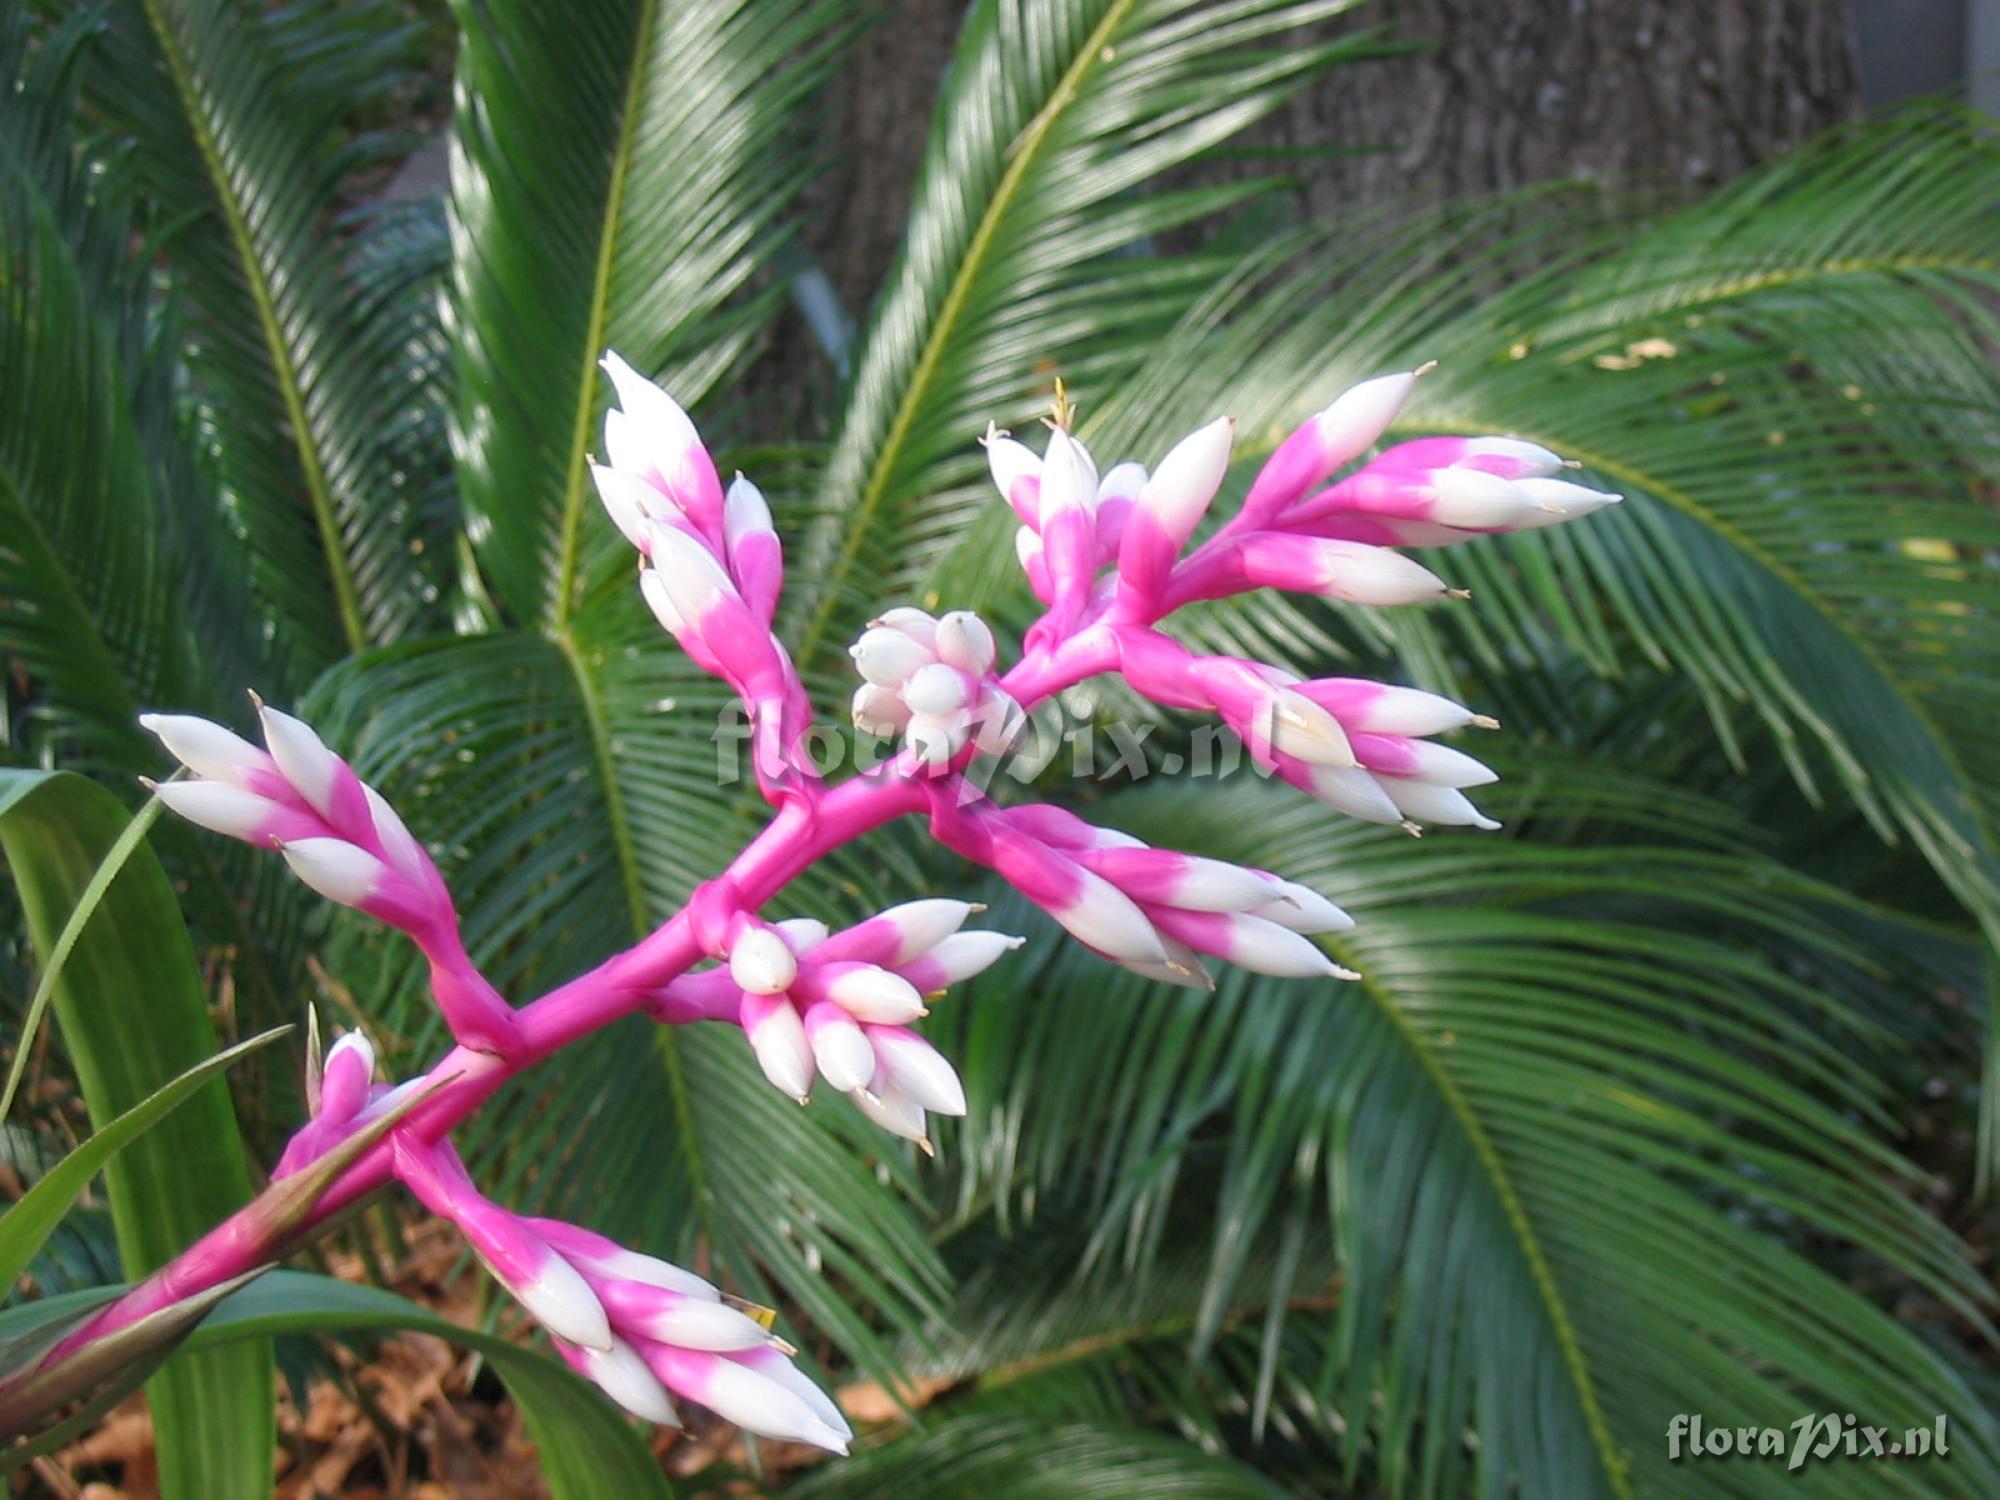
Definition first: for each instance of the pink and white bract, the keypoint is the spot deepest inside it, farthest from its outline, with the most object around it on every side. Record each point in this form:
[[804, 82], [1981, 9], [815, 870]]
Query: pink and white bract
[[1111, 552]]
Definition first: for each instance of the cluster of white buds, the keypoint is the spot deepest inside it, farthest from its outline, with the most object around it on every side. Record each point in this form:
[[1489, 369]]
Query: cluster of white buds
[[837, 1005], [931, 681]]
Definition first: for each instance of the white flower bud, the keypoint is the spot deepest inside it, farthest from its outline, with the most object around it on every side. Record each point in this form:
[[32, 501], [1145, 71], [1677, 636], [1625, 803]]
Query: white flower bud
[[1360, 415], [336, 869], [885, 655], [302, 756], [963, 641], [761, 964], [204, 748], [936, 690], [1182, 486], [219, 806], [918, 1071], [623, 1376]]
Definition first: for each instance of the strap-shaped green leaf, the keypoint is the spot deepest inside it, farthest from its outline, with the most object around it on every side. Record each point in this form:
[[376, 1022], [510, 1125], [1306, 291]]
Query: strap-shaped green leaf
[[133, 1017]]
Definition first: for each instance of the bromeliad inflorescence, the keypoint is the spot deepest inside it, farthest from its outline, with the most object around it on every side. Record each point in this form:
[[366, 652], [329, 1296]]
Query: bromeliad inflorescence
[[1109, 554]]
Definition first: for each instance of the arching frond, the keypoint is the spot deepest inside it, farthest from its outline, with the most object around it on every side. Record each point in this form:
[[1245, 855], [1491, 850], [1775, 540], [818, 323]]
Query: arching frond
[[235, 120]]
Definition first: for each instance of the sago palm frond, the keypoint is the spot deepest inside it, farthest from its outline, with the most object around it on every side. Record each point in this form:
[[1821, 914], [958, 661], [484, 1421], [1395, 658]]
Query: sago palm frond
[[235, 118]]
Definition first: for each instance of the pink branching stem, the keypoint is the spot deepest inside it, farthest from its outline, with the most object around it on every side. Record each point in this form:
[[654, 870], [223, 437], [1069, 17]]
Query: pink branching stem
[[1105, 554], [802, 832]]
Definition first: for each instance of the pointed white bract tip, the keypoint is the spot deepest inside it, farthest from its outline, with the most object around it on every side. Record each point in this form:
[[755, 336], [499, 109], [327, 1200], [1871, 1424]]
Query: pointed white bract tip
[[562, 1302], [894, 1112], [1181, 488], [921, 925], [1069, 480], [693, 576], [966, 954], [1304, 909], [1009, 460], [1302, 729], [648, 1270], [759, 1403], [623, 1376], [336, 869], [1268, 948], [963, 641], [630, 501], [1216, 885], [784, 1056], [1121, 482], [744, 511], [354, 1051], [1443, 766], [1475, 498], [1105, 918], [1534, 460], [919, 1072], [802, 934], [1362, 573], [404, 852], [761, 964], [1559, 500], [219, 806], [657, 418], [1443, 805], [693, 1323], [1411, 712], [204, 748], [302, 756], [841, 1049], [1355, 792], [876, 996], [1361, 414], [653, 589], [795, 1380]]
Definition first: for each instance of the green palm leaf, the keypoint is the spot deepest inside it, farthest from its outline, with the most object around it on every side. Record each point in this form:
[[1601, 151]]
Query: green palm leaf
[[236, 119], [619, 178]]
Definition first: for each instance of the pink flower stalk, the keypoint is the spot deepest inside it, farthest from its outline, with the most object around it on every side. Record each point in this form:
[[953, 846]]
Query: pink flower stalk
[[1111, 554]]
